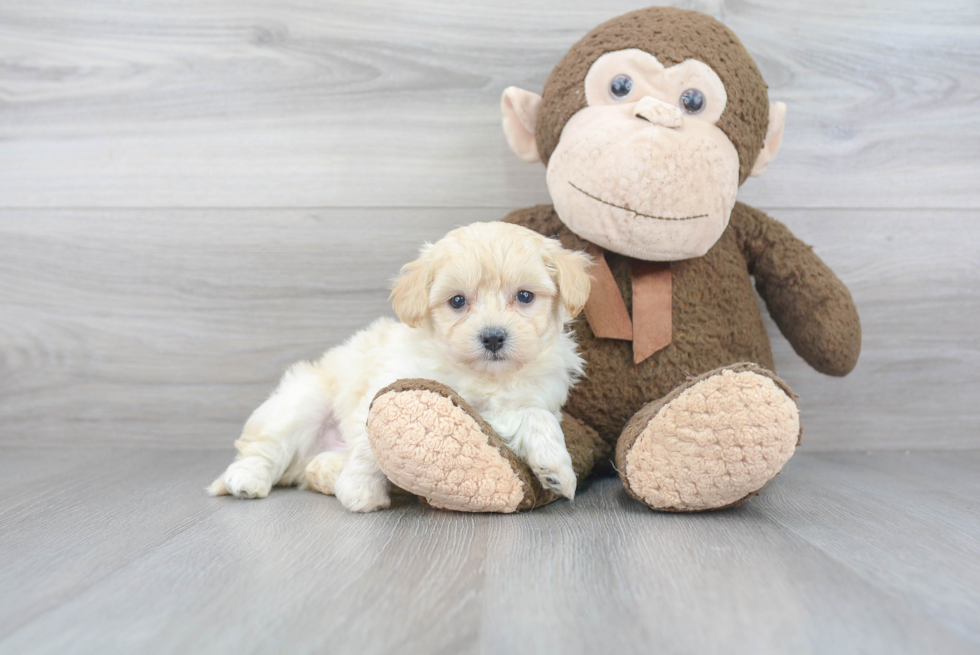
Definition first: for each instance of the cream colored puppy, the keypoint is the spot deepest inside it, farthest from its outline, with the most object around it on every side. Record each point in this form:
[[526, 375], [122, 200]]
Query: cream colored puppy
[[483, 311]]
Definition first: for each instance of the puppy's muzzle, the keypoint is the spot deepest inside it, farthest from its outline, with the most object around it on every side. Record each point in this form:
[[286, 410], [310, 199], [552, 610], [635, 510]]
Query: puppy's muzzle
[[493, 339]]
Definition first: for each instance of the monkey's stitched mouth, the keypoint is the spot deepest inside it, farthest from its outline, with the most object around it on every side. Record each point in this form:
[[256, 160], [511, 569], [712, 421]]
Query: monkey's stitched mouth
[[633, 211]]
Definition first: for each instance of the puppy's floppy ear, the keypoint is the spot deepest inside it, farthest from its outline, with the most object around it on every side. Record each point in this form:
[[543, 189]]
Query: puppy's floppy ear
[[410, 293], [570, 271]]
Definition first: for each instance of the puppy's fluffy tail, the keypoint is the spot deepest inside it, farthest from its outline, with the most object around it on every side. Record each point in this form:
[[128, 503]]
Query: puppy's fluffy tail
[[217, 488]]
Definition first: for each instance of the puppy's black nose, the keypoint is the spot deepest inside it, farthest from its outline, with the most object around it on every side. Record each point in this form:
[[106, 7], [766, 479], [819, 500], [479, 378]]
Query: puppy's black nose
[[493, 339]]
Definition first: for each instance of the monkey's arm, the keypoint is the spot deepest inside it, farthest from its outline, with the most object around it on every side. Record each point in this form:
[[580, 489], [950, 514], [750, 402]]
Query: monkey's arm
[[811, 306]]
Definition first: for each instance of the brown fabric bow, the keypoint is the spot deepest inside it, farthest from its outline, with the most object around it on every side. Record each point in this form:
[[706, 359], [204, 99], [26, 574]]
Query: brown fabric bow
[[651, 327]]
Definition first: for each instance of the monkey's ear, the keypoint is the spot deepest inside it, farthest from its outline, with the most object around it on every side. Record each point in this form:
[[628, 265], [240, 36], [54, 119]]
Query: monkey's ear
[[520, 109], [774, 138], [410, 294]]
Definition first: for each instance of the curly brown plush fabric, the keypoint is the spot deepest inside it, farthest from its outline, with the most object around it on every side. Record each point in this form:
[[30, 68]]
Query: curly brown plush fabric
[[716, 317], [585, 446], [671, 35], [811, 306]]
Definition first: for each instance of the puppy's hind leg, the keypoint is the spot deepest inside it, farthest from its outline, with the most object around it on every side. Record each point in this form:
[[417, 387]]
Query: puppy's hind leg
[[283, 428], [322, 471], [361, 485]]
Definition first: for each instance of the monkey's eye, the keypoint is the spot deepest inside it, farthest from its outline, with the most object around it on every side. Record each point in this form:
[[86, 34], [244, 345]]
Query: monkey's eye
[[692, 101], [525, 297], [621, 86], [457, 302]]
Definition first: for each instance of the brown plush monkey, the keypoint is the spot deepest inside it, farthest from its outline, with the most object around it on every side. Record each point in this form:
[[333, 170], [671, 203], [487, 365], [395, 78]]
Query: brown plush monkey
[[647, 127]]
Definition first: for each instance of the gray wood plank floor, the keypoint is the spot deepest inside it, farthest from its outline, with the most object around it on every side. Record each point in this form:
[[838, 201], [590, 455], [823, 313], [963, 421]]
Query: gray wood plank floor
[[120, 551]]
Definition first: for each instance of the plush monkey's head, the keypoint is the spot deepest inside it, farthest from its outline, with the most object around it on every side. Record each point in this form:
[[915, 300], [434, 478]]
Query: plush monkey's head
[[648, 126]]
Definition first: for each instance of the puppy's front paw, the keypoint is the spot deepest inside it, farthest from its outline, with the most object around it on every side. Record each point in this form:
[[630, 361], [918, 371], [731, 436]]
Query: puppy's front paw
[[362, 494], [245, 481], [557, 477]]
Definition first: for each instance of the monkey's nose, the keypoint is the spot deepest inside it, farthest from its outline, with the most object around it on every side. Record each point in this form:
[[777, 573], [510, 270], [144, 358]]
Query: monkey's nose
[[493, 339], [658, 112]]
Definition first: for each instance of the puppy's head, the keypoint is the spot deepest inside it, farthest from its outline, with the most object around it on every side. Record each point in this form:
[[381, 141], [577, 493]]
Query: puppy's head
[[494, 294]]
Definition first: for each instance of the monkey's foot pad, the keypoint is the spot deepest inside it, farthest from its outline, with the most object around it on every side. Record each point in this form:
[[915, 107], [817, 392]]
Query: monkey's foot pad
[[712, 443], [428, 441]]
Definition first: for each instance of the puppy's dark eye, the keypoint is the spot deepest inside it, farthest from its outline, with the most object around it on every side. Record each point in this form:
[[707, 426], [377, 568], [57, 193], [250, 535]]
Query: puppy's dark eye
[[621, 86], [457, 302], [525, 296], [692, 101]]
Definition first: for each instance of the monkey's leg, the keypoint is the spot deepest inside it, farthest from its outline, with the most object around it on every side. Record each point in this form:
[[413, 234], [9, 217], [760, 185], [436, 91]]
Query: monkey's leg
[[711, 443], [431, 443]]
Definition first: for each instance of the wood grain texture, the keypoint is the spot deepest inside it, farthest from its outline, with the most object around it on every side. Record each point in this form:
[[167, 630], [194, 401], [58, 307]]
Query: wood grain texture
[[169, 327], [903, 533], [224, 103], [127, 554]]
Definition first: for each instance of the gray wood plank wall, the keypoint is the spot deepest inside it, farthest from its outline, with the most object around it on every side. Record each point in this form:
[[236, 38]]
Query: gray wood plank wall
[[195, 194]]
